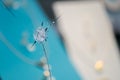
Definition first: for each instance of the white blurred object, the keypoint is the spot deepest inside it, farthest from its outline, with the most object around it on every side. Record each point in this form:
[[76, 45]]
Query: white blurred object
[[29, 48], [89, 38], [16, 5], [111, 5]]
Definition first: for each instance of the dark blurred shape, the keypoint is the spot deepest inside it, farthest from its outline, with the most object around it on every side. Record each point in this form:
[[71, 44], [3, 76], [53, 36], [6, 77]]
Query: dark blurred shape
[[47, 7], [0, 78], [113, 9], [115, 19], [118, 39]]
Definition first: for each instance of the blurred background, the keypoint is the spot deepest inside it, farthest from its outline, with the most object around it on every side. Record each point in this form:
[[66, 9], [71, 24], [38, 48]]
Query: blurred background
[[82, 41]]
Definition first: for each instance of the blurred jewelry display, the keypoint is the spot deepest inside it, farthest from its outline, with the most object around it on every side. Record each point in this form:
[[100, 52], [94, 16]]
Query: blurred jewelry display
[[40, 37], [41, 64]]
